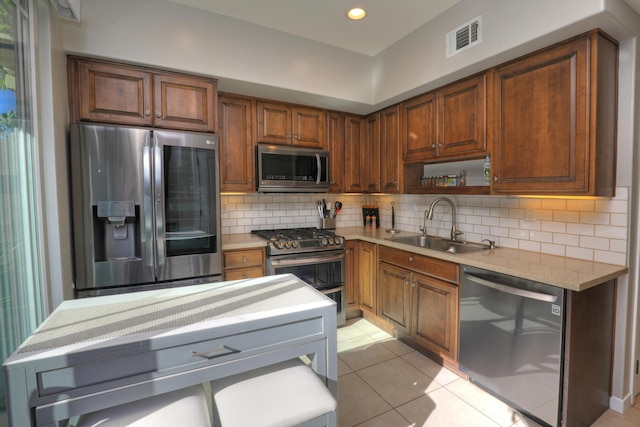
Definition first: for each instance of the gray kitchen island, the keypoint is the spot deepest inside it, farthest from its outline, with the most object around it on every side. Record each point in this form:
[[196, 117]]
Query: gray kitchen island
[[95, 353]]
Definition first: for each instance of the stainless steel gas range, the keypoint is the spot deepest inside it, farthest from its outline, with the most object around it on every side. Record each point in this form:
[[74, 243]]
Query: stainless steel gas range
[[314, 255]]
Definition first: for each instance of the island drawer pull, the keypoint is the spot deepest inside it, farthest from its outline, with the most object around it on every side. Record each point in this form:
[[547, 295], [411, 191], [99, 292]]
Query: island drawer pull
[[220, 351]]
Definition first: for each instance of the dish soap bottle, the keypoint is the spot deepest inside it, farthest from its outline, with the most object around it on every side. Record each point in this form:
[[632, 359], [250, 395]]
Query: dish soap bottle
[[487, 171]]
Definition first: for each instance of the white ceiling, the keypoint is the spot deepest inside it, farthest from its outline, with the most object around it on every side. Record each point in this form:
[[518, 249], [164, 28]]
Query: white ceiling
[[325, 21]]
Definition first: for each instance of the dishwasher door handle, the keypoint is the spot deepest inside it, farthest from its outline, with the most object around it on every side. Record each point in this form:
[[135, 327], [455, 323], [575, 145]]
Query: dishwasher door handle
[[511, 290]]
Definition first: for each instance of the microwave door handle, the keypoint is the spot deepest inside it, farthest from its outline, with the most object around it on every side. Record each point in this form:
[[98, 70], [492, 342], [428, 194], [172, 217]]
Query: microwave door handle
[[159, 194], [319, 163], [147, 207], [511, 290]]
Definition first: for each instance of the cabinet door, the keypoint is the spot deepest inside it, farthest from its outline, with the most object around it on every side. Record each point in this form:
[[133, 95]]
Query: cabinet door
[[354, 154], [367, 262], [274, 123], [111, 93], [236, 143], [394, 296], [462, 118], [552, 133], [309, 127], [390, 162], [372, 153], [419, 130], [351, 280], [336, 135], [435, 311], [184, 102]]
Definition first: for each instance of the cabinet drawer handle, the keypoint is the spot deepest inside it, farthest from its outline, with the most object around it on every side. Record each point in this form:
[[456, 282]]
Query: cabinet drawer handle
[[495, 179], [244, 259], [220, 351], [158, 114], [410, 258], [413, 284], [147, 112], [244, 276], [395, 182], [406, 281]]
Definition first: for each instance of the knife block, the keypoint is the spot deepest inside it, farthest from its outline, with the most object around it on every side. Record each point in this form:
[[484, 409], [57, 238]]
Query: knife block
[[371, 212]]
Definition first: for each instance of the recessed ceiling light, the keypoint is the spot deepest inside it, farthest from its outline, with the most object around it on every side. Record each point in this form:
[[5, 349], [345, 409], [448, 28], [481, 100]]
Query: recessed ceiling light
[[356, 13]]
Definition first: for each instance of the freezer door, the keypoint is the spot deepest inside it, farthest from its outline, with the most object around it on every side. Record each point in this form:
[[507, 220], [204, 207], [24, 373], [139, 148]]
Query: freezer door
[[112, 241], [187, 205]]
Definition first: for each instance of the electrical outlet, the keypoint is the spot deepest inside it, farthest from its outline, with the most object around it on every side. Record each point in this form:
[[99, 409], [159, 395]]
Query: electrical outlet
[[529, 213]]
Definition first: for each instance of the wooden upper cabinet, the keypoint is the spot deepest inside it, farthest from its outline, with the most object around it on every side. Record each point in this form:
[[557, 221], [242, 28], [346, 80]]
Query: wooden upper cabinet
[[110, 93], [236, 143], [184, 102], [286, 124], [354, 154], [390, 161], [336, 136], [447, 123], [462, 117], [419, 128], [107, 92], [372, 153], [554, 116]]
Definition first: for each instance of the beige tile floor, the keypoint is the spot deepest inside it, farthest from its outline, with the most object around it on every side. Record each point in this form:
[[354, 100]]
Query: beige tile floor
[[384, 383]]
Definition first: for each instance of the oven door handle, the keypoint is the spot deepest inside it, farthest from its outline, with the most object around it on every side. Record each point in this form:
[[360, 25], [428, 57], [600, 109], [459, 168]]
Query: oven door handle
[[319, 163], [306, 260]]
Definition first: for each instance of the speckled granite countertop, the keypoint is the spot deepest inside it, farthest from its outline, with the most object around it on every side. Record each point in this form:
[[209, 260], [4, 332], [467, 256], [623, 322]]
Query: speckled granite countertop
[[569, 273]]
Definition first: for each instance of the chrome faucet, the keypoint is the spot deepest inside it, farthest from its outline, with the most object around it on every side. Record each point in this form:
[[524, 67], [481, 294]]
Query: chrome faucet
[[428, 215]]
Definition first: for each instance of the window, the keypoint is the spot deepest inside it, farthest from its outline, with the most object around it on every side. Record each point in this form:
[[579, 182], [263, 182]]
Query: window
[[22, 299]]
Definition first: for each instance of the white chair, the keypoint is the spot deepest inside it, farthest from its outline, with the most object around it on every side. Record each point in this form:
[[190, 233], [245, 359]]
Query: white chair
[[281, 395], [184, 407]]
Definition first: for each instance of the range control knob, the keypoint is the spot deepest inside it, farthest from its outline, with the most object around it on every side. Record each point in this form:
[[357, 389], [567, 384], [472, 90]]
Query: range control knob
[[323, 241], [287, 245], [279, 245], [339, 240], [331, 240], [295, 244]]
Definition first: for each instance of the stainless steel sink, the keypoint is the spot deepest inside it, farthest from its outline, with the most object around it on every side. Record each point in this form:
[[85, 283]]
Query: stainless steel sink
[[440, 244]]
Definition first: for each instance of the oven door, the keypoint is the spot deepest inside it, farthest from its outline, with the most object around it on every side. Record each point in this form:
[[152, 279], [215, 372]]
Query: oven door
[[322, 270]]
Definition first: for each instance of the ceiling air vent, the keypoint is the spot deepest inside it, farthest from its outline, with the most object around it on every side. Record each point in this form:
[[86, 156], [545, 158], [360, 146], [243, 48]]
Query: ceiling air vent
[[465, 36]]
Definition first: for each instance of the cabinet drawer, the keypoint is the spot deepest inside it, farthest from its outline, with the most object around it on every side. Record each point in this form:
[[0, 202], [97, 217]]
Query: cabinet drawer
[[433, 267], [244, 273], [244, 258]]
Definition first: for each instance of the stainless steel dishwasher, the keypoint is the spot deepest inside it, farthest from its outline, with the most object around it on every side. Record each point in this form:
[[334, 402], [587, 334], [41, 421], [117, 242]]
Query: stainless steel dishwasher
[[511, 340]]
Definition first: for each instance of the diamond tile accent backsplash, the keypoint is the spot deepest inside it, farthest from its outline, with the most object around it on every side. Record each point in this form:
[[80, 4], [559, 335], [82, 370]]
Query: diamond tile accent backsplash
[[589, 229]]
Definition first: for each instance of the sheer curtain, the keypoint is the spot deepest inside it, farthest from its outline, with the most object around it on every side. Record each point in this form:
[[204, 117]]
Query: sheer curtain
[[22, 297]]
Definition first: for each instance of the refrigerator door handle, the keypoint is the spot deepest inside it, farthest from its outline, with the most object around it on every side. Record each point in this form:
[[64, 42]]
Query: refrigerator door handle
[[158, 194], [147, 207]]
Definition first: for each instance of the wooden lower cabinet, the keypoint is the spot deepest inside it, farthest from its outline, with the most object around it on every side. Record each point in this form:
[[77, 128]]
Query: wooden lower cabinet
[[367, 268], [418, 296], [395, 295], [244, 263], [351, 281], [435, 315]]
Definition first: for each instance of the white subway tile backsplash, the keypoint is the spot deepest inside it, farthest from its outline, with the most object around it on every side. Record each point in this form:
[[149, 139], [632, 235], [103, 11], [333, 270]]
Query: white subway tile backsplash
[[581, 229], [594, 243], [580, 253], [528, 245], [595, 218], [566, 216], [594, 229]]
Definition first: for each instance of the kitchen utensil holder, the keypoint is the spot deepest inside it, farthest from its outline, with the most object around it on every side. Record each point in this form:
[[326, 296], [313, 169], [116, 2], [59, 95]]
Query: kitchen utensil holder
[[368, 215], [327, 223]]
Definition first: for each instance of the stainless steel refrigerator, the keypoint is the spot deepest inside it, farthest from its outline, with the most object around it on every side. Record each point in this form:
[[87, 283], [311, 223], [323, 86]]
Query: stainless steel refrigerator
[[146, 208]]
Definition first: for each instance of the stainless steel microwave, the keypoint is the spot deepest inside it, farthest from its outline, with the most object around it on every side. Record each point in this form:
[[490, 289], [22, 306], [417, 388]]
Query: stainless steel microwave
[[291, 169]]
